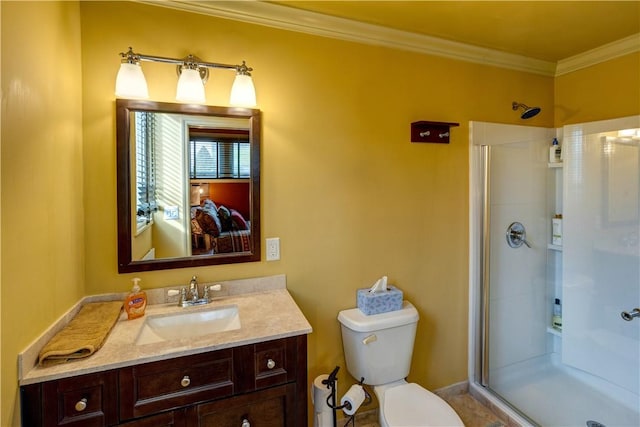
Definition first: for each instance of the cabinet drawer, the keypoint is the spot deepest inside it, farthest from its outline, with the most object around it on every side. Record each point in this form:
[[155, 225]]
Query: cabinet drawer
[[273, 407], [267, 364], [274, 363], [86, 400], [168, 384]]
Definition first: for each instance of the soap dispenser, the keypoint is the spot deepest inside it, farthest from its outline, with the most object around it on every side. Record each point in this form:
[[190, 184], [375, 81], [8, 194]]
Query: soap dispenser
[[556, 320], [136, 301], [555, 151]]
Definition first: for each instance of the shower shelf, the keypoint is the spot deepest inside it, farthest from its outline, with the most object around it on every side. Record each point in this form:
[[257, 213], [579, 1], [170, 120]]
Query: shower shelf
[[554, 247], [553, 331], [554, 165]]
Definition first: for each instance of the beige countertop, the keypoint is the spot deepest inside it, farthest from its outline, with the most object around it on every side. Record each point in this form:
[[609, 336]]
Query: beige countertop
[[267, 311]]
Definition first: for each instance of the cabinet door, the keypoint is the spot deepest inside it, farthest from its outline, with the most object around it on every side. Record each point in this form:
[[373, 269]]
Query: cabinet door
[[83, 401], [267, 408]]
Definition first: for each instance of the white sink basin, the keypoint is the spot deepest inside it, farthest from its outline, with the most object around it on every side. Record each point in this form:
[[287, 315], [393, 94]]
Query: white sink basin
[[189, 323]]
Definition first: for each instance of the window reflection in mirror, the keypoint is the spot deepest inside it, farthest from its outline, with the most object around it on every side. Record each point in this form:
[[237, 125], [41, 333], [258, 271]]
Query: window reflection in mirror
[[190, 195], [219, 172]]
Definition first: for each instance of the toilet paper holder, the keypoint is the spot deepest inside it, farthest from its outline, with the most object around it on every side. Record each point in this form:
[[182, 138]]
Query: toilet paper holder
[[330, 382]]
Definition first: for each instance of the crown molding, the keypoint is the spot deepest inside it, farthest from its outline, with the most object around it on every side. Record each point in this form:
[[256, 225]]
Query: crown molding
[[291, 19], [288, 18], [600, 54]]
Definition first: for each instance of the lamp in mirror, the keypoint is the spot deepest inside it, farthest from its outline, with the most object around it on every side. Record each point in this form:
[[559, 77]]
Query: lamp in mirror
[[193, 72]]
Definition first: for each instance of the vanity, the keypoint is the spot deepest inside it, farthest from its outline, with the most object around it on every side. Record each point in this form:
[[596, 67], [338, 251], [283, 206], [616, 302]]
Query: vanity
[[254, 375], [239, 360]]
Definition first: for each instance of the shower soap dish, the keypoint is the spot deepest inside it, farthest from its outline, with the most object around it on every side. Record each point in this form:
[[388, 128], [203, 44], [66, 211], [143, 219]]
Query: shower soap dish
[[379, 298]]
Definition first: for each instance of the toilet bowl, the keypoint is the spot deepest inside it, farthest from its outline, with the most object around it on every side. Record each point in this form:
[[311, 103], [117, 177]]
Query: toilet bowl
[[378, 350], [405, 404]]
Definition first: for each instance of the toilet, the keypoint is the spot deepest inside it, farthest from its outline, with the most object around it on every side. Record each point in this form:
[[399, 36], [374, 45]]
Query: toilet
[[378, 350]]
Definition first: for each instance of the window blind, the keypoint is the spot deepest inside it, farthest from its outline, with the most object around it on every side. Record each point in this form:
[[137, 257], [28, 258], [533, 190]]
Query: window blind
[[146, 202], [219, 158]]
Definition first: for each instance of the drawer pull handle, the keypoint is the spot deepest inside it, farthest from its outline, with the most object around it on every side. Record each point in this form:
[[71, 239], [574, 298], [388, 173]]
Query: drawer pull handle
[[185, 381], [245, 423], [270, 364], [81, 404]]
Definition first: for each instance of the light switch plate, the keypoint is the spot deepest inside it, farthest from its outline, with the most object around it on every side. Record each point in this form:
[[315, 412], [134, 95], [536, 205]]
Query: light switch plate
[[273, 249], [171, 212]]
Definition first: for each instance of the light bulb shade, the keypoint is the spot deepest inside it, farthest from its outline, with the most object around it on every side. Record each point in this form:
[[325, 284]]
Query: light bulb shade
[[190, 87], [130, 82], [243, 93]]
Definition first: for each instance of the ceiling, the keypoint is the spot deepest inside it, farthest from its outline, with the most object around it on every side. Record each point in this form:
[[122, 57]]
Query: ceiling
[[544, 30]]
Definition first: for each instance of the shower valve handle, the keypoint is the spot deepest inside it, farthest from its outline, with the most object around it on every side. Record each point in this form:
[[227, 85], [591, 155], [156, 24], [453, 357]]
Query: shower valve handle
[[516, 235], [519, 235], [629, 316]]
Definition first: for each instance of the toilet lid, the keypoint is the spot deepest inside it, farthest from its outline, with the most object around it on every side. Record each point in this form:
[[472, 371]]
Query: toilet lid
[[410, 405]]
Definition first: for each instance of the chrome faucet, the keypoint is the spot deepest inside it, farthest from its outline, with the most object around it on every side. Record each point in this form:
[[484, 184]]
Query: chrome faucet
[[191, 296], [193, 289]]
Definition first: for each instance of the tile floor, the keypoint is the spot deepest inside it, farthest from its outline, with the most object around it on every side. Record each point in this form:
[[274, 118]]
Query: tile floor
[[471, 411]]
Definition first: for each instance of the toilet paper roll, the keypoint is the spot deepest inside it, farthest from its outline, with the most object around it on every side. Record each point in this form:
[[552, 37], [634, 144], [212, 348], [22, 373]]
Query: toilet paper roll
[[354, 396], [319, 394]]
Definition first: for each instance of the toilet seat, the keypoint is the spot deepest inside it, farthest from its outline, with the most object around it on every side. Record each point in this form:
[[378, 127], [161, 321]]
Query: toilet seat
[[410, 405]]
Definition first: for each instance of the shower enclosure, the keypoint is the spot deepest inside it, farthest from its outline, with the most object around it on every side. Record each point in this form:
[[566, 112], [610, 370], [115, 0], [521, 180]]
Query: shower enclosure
[[588, 371]]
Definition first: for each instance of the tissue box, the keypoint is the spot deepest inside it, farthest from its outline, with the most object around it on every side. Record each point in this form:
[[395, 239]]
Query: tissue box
[[379, 302]]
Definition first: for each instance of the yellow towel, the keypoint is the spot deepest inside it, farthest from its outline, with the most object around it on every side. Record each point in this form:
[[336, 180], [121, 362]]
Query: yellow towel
[[84, 335]]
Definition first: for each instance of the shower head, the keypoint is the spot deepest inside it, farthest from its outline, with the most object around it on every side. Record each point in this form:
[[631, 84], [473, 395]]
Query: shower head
[[528, 111]]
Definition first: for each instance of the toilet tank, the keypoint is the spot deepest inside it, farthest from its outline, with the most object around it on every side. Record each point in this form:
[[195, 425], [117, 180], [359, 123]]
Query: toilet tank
[[379, 347]]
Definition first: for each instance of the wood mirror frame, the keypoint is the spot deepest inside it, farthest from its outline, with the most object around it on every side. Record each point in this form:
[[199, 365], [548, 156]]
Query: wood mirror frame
[[124, 108]]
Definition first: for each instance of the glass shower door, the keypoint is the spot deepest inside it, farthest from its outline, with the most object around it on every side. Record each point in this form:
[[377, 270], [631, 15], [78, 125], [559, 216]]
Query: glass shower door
[[601, 256], [516, 309]]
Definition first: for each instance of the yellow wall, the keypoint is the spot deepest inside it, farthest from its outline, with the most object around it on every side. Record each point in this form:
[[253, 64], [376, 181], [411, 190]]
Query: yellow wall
[[42, 193], [603, 91], [342, 186], [347, 193], [1, 119]]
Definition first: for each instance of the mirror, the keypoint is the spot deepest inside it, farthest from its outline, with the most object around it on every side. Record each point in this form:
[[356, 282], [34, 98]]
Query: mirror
[[188, 184], [620, 178]]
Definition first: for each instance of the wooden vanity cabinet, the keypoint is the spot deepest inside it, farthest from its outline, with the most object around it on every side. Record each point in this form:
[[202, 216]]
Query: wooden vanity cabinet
[[256, 385]]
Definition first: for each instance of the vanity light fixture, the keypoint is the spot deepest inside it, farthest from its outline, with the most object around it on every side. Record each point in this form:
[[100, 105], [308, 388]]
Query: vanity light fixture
[[193, 72]]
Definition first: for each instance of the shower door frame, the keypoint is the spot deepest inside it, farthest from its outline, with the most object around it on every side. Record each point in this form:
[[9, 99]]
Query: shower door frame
[[479, 250]]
